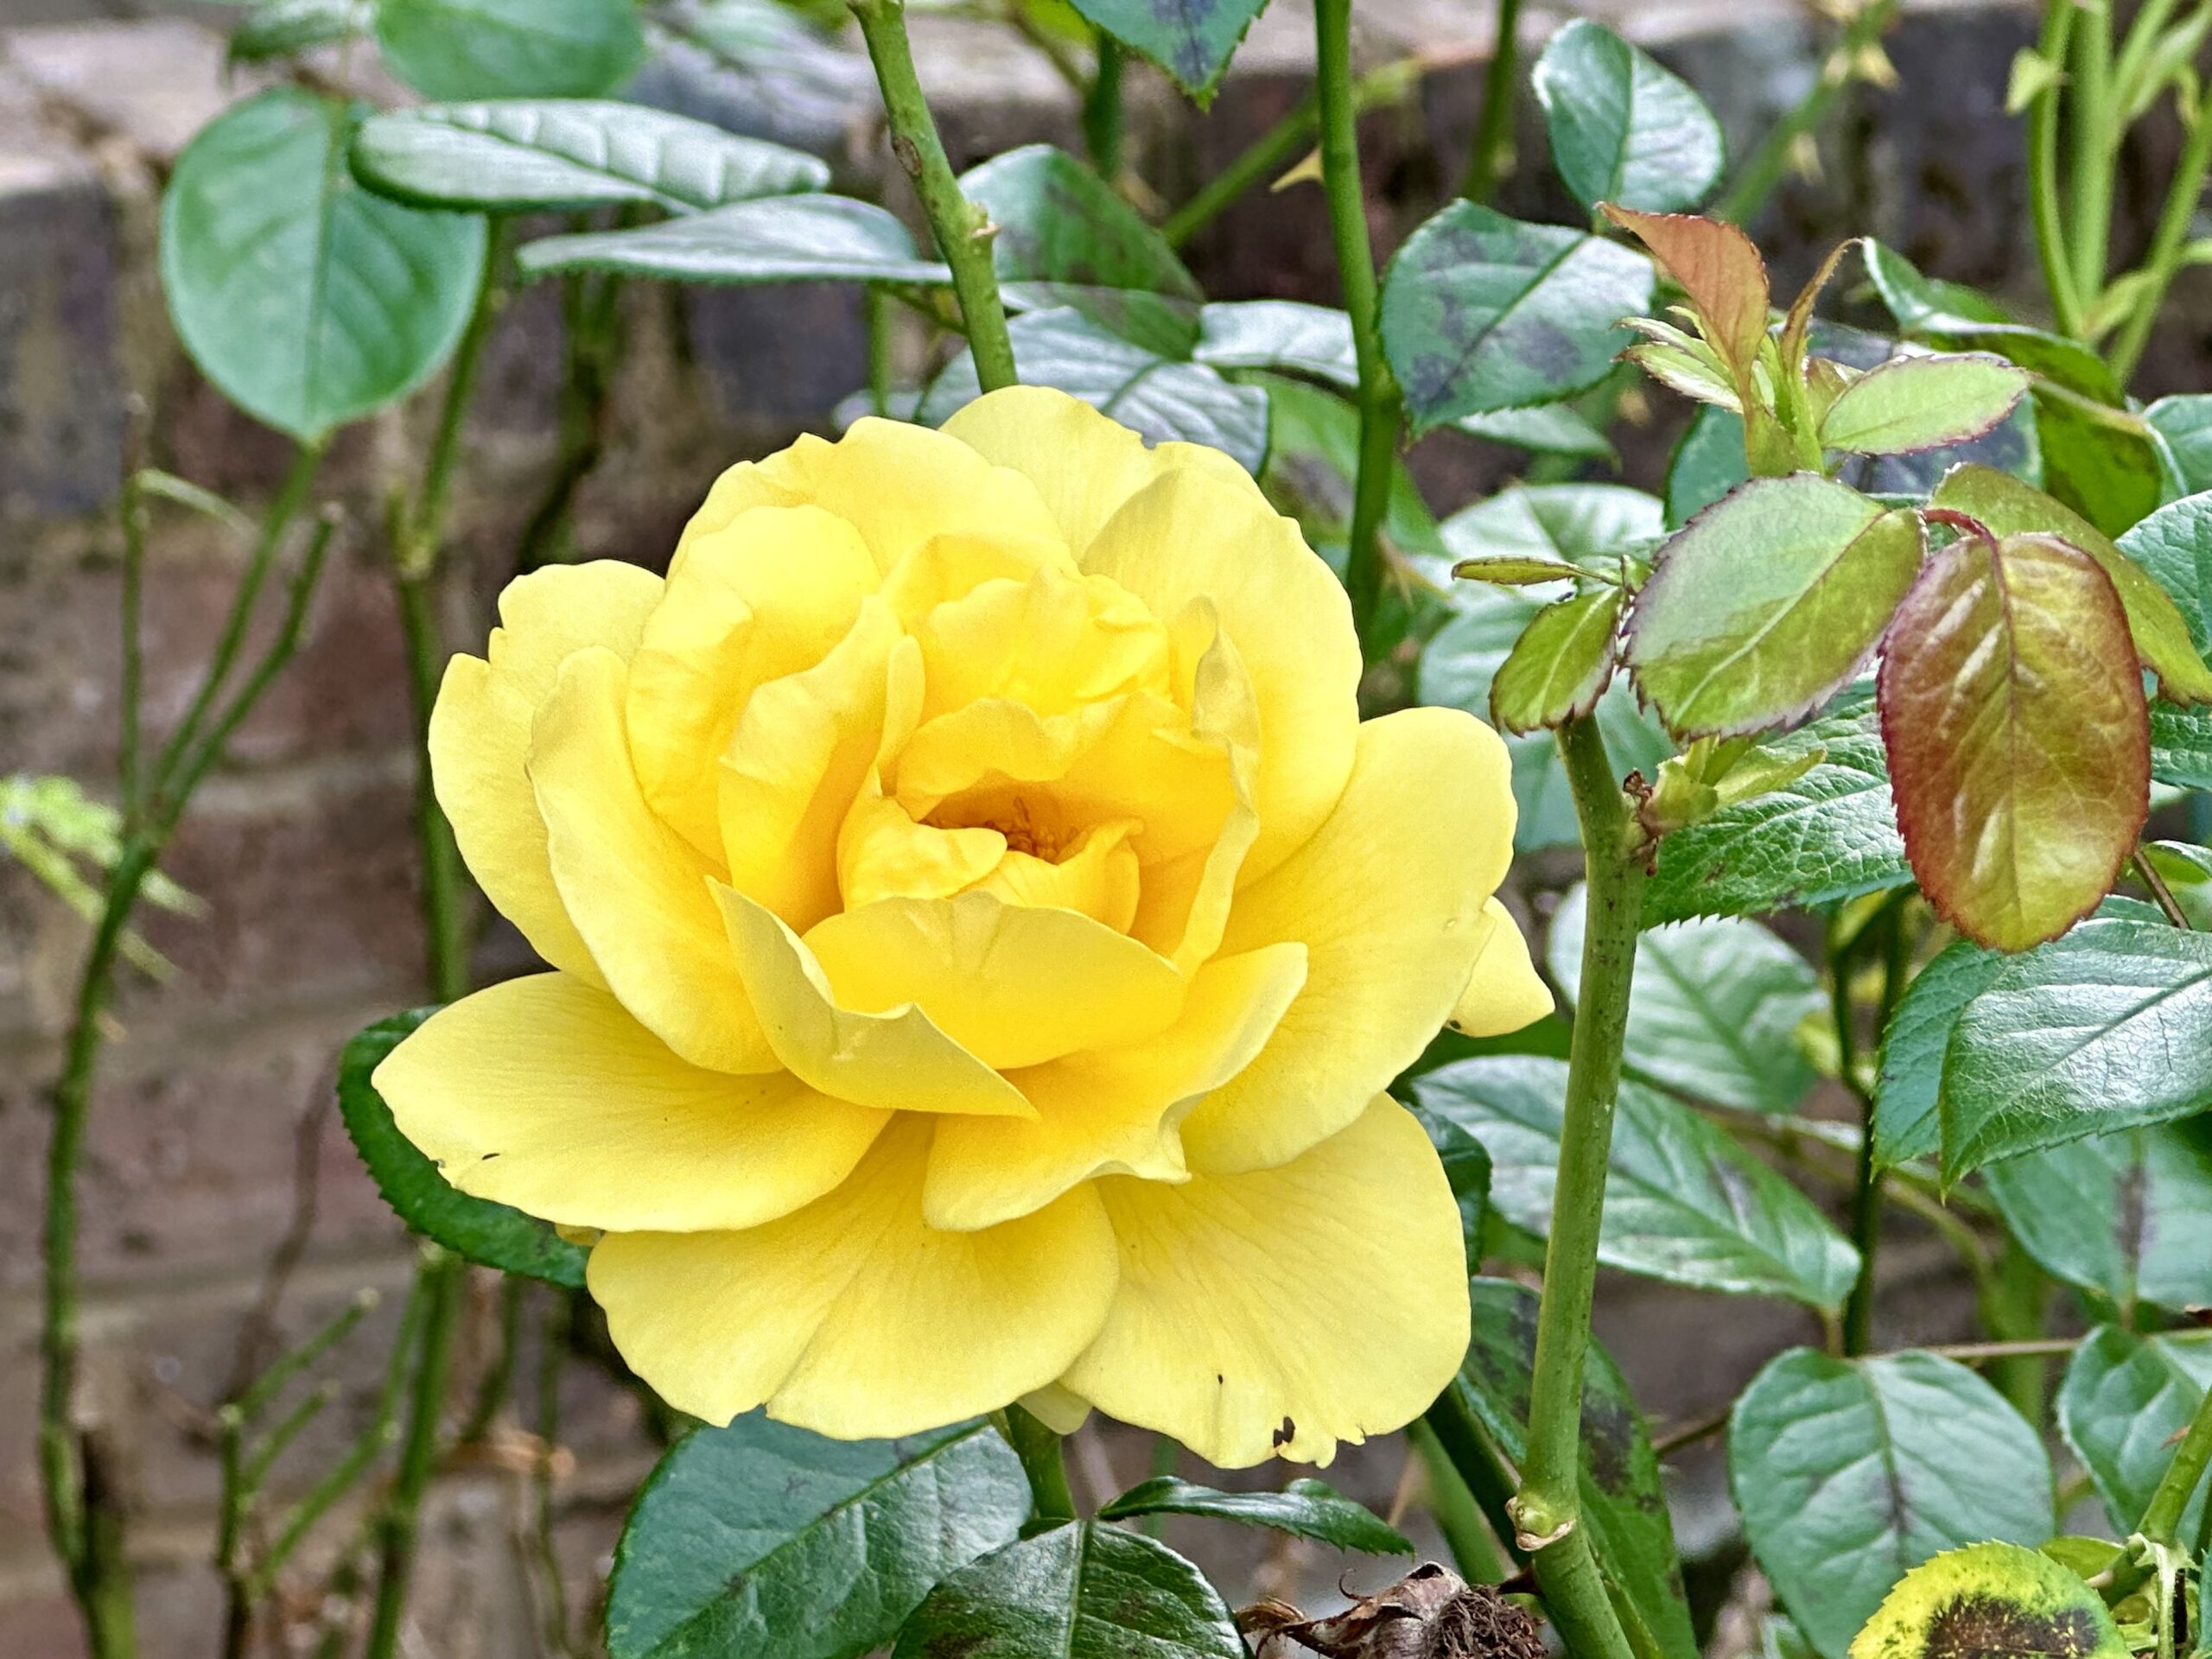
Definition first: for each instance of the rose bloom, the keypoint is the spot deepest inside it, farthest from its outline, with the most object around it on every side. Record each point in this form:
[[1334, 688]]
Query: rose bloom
[[982, 933]]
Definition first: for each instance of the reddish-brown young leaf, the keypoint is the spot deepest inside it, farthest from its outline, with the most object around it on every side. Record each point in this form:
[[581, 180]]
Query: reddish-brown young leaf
[[1719, 269], [2019, 739]]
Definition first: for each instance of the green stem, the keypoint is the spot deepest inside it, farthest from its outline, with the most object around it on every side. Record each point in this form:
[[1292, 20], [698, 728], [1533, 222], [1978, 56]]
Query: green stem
[[1547, 1511], [1380, 407], [963, 231], [2095, 140], [130, 740], [498, 1381], [1039, 1448], [2012, 1301], [444, 878], [1866, 1183], [2167, 243], [1494, 127], [442, 1274], [1458, 1516], [1104, 119], [2162, 1516], [1487, 1479], [2044, 200], [590, 330], [880, 371], [1756, 180]]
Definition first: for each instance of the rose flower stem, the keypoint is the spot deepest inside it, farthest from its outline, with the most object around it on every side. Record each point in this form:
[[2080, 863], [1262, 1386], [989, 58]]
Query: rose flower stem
[[1547, 1511], [964, 232], [1039, 1448]]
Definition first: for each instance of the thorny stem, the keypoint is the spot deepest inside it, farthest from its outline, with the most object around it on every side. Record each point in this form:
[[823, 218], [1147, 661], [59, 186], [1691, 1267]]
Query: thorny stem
[[1756, 179], [1494, 125], [1039, 1448], [964, 232], [441, 1275], [1380, 407], [1547, 1511]]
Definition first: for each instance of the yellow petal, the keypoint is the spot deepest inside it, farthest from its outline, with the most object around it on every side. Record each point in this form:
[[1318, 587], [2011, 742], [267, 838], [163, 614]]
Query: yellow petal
[[851, 1318], [1388, 899], [1189, 535], [883, 854], [637, 890], [1282, 1312], [1084, 464], [1506, 992], [1013, 985], [543, 1093], [900, 1060], [1114, 1109], [1099, 879], [897, 484], [803, 749], [1054, 642], [480, 735], [766, 597]]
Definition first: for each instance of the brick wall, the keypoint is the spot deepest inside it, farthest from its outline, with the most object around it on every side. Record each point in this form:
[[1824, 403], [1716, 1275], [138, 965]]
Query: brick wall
[[214, 1150]]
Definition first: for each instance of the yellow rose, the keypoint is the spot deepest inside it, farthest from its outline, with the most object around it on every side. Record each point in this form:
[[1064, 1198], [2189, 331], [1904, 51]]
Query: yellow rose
[[982, 932]]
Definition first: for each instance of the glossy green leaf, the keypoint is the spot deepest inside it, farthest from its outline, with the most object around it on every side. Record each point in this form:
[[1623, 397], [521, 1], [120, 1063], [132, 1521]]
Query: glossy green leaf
[[307, 300], [759, 1541], [1059, 222], [456, 49], [279, 28], [2126, 1216], [1991, 1598], [2185, 426], [1767, 603], [1587, 524], [1466, 1165], [1191, 39], [775, 239], [1923, 403], [1481, 311], [1707, 464], [1831, 834], [2108, 1028], [2104, 463], [1086, 1591], [1714, 1008], [1559, 666], [1624, 1503], [1959, 319], [1312, 470], [477, 1229], [2017, 738], [2175, 545], [1543, 429], [1849, 1473], [1623, 127], [2124, 1405], [1304, 1508], [1161, 397], [1289, 335], [1907, 1123], [2181, 745], [1684, 1201], [517, 155]]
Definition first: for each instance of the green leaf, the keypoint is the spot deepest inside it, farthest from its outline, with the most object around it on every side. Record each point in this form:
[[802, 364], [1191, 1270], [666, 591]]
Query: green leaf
[[2108, 1028], [2104, 463], [1543, 429], [1624, 1503], [1163, 398], [1923, 403], [1714, 1008], [1907, 1124], [2126, 1216], [279, 28], [1623, 127], [1708, 463], [1481, 311], [1849, 1473], [1285, 334], [1560, 664], [1466, 1165], [759, 1541], [1085, 1591], [1305, 1509], [1059, 222], [1684, 1201], [775, 239], [2175, 545], [1959, 319], [1587, 524], [2181, 745], [307, 300], [1990, 1599], [1830, 834], [1191, 39], [1313, 468], [1918, 301], [483, 1231], [1764, 605], [2125, 1403], [2184, 424], [570, 153], [454, 49], [2017, 734]]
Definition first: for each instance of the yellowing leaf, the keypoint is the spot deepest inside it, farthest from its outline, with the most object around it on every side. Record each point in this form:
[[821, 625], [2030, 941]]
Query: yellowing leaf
[[1990, 1599], [2018, 736]]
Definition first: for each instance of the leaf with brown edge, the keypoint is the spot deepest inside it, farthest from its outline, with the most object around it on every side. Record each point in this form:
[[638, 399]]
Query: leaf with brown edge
[[2020, 744], [1560, 664], [1718, 267], [2006, 506], [1922, 402], [1767, 602], [1797, 324]]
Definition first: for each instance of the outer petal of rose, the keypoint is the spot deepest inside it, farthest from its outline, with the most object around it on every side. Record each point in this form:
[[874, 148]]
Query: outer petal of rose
[[1111, 1110], [637, 890], [1506, 993], [1084, 463], [768, 597], [1187, 534], [1013, 985], [900, 1059], [544, 1094], [853, 1319], [1388, 899], [480, 735], [897, 484], [1281, 1312]]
